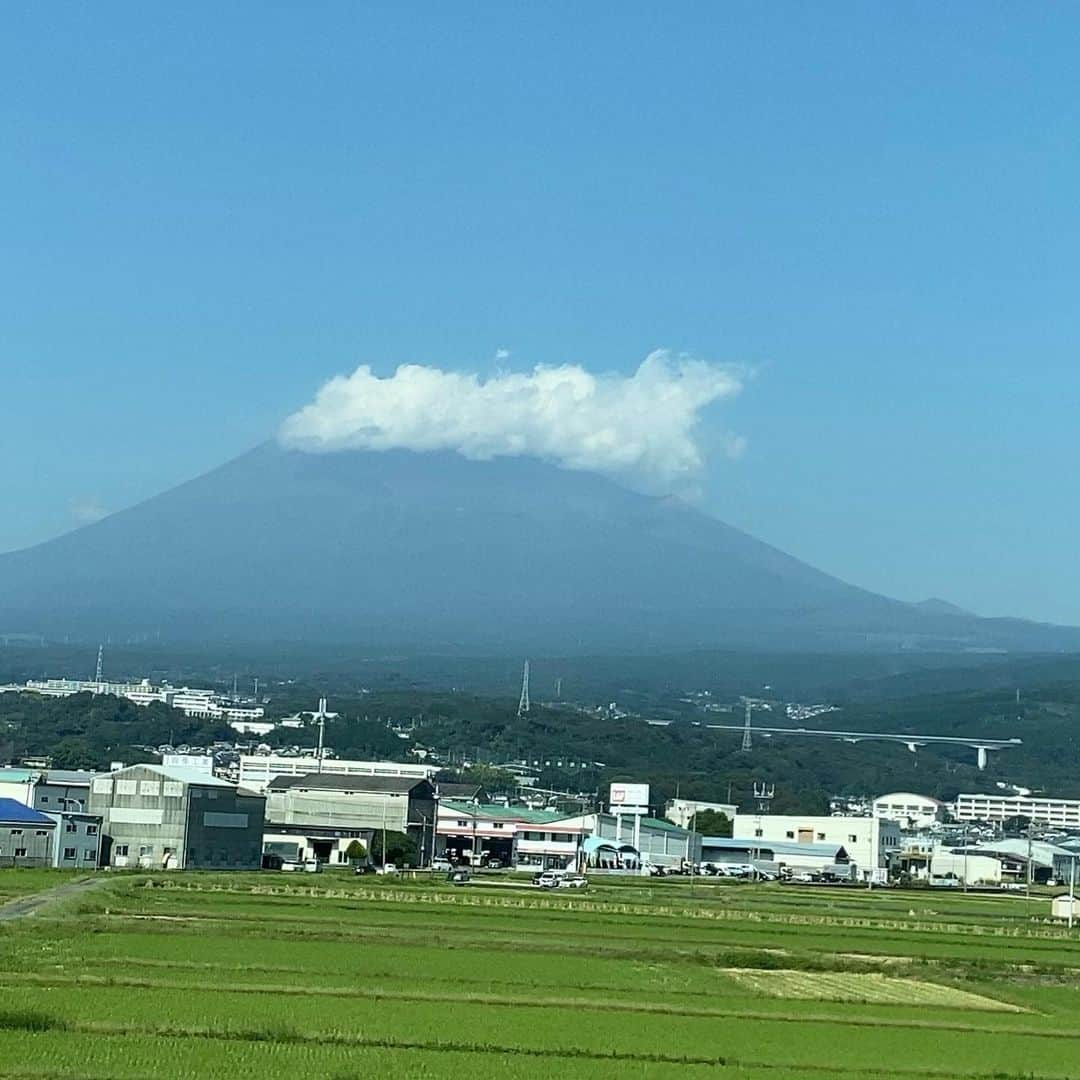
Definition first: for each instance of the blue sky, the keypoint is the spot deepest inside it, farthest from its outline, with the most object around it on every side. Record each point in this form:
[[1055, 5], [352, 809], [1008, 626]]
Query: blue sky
[[211, 209]]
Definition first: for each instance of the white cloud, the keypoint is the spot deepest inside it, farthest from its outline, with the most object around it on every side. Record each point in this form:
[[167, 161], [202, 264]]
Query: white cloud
[[87, 509], [640, 427], [502, 354]]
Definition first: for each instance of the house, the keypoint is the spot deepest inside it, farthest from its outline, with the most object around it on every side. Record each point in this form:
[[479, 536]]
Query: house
[[26, 835], [176, 819]]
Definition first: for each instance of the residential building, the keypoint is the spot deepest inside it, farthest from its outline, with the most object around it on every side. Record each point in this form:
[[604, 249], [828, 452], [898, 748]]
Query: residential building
[[76, 840], [256, 770], [173, 818], [1062, 813], [871, 843], [911, 812], [26, 835]]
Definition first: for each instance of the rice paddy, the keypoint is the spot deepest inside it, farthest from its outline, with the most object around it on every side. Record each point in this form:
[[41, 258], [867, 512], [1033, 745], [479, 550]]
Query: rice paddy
[[262, 975]]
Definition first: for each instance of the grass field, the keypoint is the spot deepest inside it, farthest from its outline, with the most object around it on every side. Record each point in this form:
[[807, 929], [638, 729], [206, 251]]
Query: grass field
[[264, 975]]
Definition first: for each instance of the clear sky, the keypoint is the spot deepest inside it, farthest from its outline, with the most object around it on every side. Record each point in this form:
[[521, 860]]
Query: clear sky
[[210, 209]]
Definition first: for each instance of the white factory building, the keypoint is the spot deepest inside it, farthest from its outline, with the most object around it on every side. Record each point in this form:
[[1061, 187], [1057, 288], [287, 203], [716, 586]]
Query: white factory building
[[871, 843], [256, 770], [1061, 813], [208, 704], [910, 811]]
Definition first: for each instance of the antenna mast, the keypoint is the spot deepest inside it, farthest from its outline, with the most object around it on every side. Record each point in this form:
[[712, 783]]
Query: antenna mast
[[97, 673], [321, 718], [523, 703], [746, 741]]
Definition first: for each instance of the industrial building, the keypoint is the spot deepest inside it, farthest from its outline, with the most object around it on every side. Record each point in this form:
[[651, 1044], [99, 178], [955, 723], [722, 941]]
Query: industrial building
[[776, 855], [543, 839], [1061, 813], [1005, 860], [911, 812], [320, 814], [256, 770], [871, 843], [173, 818], [62, 795]]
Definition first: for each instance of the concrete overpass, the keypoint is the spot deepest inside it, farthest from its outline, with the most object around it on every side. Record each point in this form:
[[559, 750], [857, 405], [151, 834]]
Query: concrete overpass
[[981, 746]]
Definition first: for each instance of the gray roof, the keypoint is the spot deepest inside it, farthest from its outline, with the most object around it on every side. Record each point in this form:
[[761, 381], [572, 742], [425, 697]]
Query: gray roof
[[777, 847], [327, 781], [460, 791], [184, 775]]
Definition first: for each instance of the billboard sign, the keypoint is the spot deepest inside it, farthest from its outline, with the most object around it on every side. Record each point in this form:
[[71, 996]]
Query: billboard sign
[[199, 762], [629, 798]]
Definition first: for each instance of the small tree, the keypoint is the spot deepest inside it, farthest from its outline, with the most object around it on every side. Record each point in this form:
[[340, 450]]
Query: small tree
[[400, 849], [711, 823], [356, 852]]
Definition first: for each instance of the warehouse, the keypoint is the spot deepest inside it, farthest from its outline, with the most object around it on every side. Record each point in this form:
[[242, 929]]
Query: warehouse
[[325, 812], [774, 855], [175, 819]]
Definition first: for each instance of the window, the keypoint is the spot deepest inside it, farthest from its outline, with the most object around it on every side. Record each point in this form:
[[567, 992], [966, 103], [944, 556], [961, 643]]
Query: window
[[196, 793], [69, 853], [758, 832], [126, 787], [821, 836], [144, 850], [211, 794], [120, 849], [91, 830], [497, 825], [16, 832], [41, 832], [562, 837], [89, 853], [149, 787], [70, 826], [44, 799], [20, 853], [173, 789], [790, 834], [852, 838], [462, 824]]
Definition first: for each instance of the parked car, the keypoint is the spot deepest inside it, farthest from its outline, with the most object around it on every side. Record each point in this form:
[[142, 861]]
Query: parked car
[[386, 868], [493, 864], [364, 868], [572, 881], [309, 866], [549, 879], [442, 865], [460, 876]]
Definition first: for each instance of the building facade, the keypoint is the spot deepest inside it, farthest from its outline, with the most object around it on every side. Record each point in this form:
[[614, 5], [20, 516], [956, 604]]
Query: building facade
[[158, 818], [682, 811], [256, 771], [911, 812], [1063, 813], [325, 811], [871, 843], [27, 837]]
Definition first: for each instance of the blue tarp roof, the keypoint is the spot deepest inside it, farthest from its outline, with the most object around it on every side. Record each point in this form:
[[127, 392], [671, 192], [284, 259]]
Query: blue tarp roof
[[13, 810]]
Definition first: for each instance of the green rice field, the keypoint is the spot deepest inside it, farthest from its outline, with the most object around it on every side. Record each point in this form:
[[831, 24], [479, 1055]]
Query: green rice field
[[274, 975]]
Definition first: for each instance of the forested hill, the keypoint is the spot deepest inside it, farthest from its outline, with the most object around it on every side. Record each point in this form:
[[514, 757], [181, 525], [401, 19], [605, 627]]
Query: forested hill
[[683, 757]]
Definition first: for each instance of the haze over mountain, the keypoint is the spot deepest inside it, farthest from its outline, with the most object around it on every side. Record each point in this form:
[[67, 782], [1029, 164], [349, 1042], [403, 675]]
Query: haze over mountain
[[437, 550]]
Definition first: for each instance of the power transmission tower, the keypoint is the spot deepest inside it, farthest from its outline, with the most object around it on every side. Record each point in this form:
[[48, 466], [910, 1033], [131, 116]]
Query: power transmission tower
[[523, 703], [97, 673], [746, 740]]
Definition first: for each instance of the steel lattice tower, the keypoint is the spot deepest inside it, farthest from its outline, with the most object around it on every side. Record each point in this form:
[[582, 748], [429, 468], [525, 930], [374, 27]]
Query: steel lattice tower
[[523, 703], [746, 741]]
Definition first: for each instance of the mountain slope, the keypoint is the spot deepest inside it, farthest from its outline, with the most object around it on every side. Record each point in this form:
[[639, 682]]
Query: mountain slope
[[435, 549]]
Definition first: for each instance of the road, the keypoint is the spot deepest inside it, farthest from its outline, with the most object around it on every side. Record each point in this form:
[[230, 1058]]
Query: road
[[22, 906]]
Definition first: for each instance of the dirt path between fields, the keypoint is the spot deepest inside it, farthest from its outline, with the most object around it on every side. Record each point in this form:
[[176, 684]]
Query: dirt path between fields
[[22, 906]]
